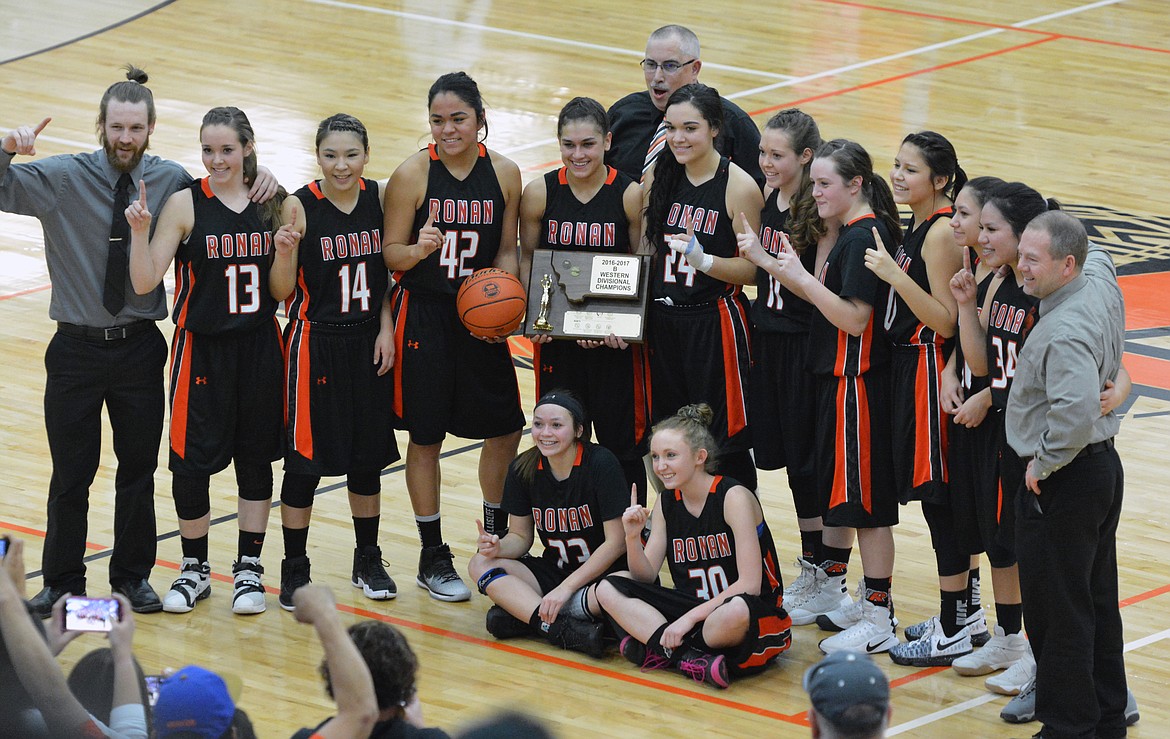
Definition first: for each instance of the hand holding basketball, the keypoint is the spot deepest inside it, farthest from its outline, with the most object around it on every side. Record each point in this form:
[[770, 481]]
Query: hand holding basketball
[[491, 304]]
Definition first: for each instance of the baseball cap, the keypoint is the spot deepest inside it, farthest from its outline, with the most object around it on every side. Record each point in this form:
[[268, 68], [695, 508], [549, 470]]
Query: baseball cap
[[845, 679], [196, 701]]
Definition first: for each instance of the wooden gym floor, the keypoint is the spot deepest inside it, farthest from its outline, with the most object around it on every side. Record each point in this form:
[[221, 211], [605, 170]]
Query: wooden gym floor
[[1065, 95]]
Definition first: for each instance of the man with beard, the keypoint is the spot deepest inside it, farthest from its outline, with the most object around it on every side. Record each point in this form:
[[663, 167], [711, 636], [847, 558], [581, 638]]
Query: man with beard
[[107, 349], [672, 60]]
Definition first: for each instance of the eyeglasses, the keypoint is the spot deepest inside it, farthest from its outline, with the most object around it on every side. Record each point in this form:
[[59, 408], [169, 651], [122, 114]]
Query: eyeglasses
[[649, 66]]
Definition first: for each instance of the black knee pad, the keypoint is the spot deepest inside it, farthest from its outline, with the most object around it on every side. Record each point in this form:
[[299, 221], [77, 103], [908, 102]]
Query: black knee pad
[[949, 557], [296, 491], [254, 480], [192, 500], [364, 483]]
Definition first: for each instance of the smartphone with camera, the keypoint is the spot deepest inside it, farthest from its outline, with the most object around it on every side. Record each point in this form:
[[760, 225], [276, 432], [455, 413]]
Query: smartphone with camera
[[91, 614], [153, 683]]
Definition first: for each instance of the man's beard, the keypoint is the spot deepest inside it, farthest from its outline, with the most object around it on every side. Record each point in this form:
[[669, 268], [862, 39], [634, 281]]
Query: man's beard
[[119, 164]]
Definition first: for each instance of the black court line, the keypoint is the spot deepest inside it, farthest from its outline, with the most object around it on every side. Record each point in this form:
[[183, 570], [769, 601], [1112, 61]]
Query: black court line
[[1145, 350], [276, 503], [1159, 332], [91, 34]]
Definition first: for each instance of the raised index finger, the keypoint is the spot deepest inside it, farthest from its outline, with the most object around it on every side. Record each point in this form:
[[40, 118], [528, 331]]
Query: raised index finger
[[633, 495], [479, 525], [966, 259], [141, 190], [41, 127]]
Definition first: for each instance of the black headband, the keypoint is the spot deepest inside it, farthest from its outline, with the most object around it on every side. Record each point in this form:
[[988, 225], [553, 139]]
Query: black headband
[[566, 401]]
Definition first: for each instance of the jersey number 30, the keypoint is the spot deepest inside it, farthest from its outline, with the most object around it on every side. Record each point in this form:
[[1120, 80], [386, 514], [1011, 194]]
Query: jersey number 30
[[710, 582]]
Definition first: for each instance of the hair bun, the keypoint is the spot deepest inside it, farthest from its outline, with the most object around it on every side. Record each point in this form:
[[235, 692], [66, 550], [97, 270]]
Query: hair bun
[[700, 413], [134, 74]]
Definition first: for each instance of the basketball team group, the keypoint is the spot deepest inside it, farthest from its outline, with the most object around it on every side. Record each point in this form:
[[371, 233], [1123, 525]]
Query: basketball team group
[[968, 361]]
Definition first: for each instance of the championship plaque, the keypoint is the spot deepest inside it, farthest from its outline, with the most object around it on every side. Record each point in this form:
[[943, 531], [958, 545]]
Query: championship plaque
[[586, 295]]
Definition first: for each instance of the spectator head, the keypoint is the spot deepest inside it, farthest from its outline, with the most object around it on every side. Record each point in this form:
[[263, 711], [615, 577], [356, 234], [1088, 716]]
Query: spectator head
[[92, 682], [392, 664], [850, 697], [194, 703]]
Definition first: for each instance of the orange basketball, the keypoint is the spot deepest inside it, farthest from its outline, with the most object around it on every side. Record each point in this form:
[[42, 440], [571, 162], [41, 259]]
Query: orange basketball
[[491, 302]]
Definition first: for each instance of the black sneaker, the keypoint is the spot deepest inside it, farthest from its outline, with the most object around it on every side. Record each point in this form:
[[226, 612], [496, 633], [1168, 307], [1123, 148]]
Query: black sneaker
[[504, 625], [142, 597], [438, 575], [704, 668], [369, 574], [646, 659], [41, 604], [577, 635], [294, 573]]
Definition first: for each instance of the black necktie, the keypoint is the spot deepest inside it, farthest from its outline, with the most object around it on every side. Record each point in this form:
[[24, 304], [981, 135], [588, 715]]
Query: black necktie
[[118, 259]]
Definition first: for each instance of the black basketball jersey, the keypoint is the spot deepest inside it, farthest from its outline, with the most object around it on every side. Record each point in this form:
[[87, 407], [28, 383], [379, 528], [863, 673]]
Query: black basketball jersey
[[1009, 320], [599, 225], [970, 383], [341, 277], [776, 308], [700, 550], [221, 270], [902, 326], [570, 514], [706, 204], [470, 213], [835, 352]]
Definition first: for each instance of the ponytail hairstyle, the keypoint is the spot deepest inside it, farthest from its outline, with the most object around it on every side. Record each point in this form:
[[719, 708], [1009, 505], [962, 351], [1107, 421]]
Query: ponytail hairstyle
[[583, 109], [235, 119], [668, 173], [526, 461], [131, 90], [851, 160], [803, 133], [342, 122], [1019, 204], [463, 87], [694, 423], [941, 160]]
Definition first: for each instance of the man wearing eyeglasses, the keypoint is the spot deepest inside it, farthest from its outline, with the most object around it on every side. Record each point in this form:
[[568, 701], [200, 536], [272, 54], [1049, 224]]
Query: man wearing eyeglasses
[[672, 60]]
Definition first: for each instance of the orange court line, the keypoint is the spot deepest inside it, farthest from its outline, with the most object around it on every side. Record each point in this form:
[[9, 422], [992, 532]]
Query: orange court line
[[905, 75], [29, 291], [1145, 300], [41, 534], [986, 24]]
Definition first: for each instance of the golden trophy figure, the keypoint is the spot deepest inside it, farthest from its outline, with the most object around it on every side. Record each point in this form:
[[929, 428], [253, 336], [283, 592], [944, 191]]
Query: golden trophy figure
[[541, 323]]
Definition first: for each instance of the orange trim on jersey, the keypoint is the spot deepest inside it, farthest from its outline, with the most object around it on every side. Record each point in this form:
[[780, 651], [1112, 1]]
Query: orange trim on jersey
[[862, 217], [611, 175], [205, 185], [482, 150], [316, 190], [304, 295], [399, 345], [362, 184], [922, 405], [303, 419], [563, 176], [736, 403], [433, 151], [864, 444], [184, 286], [641, 361], [180, 384], [714, 484], [576, 459], [769, 626]]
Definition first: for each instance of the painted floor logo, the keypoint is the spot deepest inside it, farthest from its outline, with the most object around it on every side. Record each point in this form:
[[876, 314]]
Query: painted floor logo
[[1139, 243]]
